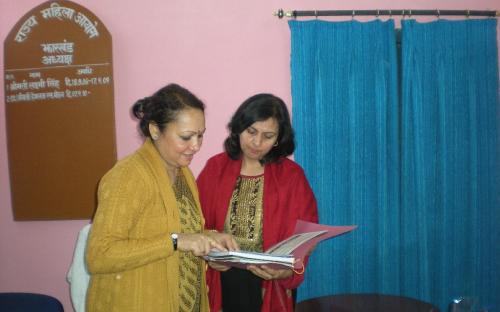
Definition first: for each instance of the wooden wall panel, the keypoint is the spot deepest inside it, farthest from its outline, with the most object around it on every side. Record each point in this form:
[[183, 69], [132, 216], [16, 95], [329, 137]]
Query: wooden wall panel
[[59, 111]]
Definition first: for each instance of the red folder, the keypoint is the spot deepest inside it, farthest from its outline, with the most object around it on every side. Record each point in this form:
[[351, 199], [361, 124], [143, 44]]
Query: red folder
[[306, 248], [296, 256]]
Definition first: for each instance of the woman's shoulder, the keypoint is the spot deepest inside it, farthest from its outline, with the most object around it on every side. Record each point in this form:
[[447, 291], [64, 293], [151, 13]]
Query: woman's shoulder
[[288, 173], [223, 156], [131, 161], [287, 164], [131, 166], [218, 160]]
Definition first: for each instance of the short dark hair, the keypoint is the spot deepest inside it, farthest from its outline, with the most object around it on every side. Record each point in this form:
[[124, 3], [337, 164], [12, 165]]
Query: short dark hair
[[261, 107], [163, 106]]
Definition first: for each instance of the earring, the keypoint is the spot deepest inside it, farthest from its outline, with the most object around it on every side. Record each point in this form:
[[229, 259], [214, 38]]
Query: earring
[[154, 137], [276, 144]]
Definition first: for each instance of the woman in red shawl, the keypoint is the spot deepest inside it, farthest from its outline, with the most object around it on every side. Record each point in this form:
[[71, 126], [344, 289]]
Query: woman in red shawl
[[254, 192]]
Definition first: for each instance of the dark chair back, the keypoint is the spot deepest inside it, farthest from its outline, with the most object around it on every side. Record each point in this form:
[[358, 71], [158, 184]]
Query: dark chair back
[[29, 302]]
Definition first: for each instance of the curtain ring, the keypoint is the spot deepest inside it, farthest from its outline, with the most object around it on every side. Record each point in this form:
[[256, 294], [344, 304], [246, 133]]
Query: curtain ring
[[353, 14], [316, 14], [390, 13], [378, 13], [410, 14], [468, 13], [403, 13], [438, 14]]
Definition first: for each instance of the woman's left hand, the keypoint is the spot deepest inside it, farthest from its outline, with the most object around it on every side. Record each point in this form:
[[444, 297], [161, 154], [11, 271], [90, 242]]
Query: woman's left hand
[[217, 266], [267, 273]]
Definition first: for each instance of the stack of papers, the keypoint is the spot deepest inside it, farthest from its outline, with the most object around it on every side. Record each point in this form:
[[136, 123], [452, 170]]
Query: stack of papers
[[248, 257]]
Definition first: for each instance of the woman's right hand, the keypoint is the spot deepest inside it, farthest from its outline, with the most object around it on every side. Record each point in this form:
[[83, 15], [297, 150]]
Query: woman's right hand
[[227, 240], [197, 243]]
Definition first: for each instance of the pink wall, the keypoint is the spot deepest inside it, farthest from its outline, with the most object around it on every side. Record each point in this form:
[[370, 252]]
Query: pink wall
[[223, 50]]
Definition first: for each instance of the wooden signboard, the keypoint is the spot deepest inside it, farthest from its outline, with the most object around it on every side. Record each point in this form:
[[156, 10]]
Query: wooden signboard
[[59, 111]]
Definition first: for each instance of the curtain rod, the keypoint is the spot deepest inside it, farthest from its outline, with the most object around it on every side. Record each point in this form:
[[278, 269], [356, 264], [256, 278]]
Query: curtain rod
[[294, 14]]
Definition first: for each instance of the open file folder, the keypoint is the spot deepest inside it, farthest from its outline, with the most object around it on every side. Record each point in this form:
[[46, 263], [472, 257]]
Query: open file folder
[[289, 253]]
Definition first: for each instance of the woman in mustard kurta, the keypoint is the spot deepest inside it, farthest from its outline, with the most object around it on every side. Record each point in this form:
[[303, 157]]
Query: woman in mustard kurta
[[147, 236]]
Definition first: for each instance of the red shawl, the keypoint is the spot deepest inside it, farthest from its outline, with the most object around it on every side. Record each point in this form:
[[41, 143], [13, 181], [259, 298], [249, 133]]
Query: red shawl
[[287, 198]]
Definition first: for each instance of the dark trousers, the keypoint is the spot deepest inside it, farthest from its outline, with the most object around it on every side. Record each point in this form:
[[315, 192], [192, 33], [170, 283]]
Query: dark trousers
[[241, 291]]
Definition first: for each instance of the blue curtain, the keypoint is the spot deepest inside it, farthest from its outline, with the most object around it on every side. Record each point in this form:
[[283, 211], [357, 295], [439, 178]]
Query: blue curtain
[[450, 212], [345, 114], [418, 171]]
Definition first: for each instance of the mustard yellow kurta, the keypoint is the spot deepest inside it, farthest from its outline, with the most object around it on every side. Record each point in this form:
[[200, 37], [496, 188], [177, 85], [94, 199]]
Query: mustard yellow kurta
[[129, 254]]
